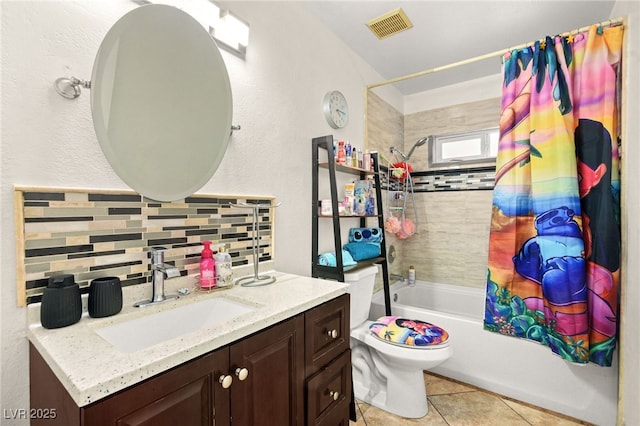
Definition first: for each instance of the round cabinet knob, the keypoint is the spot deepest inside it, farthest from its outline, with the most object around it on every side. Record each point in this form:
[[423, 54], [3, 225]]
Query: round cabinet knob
[[335, 395], [332, 333], [242, 373], [225, 381]]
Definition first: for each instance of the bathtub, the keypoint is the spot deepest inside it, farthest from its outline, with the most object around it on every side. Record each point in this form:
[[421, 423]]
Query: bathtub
[[516, 368]]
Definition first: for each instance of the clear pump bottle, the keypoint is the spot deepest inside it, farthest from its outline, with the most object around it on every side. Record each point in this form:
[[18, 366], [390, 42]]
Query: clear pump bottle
[[223, 267]]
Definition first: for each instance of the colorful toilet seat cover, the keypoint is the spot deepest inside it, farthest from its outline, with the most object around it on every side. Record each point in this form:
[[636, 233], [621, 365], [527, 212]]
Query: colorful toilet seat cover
[[406, 332]]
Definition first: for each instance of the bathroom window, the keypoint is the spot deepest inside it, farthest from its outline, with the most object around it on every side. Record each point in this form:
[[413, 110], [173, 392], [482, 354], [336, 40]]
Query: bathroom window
[[479, 146]]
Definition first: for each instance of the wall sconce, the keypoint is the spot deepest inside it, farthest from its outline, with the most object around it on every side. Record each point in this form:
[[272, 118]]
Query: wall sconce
[[230, 32]]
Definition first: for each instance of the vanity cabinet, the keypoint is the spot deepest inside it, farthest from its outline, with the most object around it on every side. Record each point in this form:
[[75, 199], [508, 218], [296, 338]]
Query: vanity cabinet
[[186, 395], [328, 363], [261, 366], [275, 380]]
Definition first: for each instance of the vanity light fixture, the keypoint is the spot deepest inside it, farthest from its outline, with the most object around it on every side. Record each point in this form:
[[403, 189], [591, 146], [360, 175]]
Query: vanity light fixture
[[230, 32]]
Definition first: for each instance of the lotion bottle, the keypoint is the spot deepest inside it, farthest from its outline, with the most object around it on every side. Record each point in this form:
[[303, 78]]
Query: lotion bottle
[[207, 267], [223, 267], [412, 276]]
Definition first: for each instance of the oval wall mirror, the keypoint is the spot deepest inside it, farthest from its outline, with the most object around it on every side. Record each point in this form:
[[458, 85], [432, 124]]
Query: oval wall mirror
[[161, 102]]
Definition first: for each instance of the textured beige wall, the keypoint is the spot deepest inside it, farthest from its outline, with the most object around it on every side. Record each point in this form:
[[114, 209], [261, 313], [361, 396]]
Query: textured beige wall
[[451, 243]]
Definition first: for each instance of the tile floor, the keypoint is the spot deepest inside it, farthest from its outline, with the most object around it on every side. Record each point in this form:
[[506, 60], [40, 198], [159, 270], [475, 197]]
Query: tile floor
[[452, 403]]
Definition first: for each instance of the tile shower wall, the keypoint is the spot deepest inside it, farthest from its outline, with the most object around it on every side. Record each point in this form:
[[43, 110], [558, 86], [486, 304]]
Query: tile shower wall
[[452, 243], [385, 125], [97, 234], [385, 128], [454, 206]]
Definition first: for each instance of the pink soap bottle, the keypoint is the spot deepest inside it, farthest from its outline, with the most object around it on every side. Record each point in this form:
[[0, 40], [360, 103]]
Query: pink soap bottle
[[342, 153], [207, 267]]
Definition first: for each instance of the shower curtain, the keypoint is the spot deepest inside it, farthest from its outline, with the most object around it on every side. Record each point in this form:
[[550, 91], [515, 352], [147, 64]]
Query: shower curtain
[[554, 250]]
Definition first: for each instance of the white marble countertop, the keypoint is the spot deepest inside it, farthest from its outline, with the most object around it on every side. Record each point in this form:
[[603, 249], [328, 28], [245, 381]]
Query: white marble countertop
[[91, 368]]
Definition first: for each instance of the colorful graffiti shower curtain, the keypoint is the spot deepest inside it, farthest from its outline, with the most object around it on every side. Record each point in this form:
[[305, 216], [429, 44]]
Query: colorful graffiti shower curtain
[[554, 250]]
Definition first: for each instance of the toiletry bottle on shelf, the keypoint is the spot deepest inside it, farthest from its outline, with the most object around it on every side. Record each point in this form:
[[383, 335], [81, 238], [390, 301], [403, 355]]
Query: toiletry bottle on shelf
[[366, 161], [347, 150], [207, 267], [223, 267], [412, 276], [354, 158], [341, 157]]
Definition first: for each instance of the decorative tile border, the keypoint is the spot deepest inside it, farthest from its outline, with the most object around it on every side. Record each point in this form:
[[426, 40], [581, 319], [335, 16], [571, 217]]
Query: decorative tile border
[[99, 233], [463, 179]]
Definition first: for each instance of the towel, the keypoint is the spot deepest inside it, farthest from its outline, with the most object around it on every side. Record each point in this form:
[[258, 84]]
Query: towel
[[367, 235], [362, 251], [329, 259]]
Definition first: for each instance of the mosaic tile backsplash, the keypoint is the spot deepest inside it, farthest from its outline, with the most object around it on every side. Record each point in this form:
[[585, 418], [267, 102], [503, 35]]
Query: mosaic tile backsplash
[[462, 179], [98, 234]]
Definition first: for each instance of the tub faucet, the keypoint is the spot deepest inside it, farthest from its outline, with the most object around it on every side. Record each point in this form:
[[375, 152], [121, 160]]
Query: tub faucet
[[396, 277], [159, 271]]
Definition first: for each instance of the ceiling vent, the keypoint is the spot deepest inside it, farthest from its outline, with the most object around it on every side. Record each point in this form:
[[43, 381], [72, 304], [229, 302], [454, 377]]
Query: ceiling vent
[[390, 23]]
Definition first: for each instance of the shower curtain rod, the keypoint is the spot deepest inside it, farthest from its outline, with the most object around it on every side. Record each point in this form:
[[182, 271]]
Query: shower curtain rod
[[608, 23]]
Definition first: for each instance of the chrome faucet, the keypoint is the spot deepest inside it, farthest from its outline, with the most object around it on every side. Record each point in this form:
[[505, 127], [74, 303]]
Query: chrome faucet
[[396, 277], [159, 271]]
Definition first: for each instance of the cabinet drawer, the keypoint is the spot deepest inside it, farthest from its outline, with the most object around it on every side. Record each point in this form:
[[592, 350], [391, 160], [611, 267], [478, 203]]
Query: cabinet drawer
[[326, 333], [329, 393]]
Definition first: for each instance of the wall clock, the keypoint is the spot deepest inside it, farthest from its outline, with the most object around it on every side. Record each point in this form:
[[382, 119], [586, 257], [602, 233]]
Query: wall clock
[[336, 110]]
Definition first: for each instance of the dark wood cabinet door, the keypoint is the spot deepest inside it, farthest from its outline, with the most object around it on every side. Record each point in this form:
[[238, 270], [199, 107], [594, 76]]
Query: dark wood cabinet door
[[188, 405], [48, 395], [182, 396], [273, 391]]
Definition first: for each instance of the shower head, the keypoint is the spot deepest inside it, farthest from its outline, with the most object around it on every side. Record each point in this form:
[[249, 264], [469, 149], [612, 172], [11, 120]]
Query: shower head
[[420, 142]]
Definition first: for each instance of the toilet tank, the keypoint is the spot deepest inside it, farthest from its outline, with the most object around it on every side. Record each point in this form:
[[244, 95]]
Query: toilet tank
[[361, 283]]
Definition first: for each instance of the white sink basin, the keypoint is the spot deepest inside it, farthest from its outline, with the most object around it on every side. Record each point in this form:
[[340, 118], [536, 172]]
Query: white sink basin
[[149, 330]]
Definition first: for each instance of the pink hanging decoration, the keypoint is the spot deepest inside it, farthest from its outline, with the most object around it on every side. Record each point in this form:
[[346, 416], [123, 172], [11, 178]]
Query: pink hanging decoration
[[407, 229], [392, 225]]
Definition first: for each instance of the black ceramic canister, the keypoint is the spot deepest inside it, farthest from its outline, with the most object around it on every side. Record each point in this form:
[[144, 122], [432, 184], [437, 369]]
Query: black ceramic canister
[[105, 297], [61, 304]]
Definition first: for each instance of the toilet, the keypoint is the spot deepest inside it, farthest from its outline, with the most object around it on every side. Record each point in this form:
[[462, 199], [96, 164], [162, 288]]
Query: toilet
[[388, 370]]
